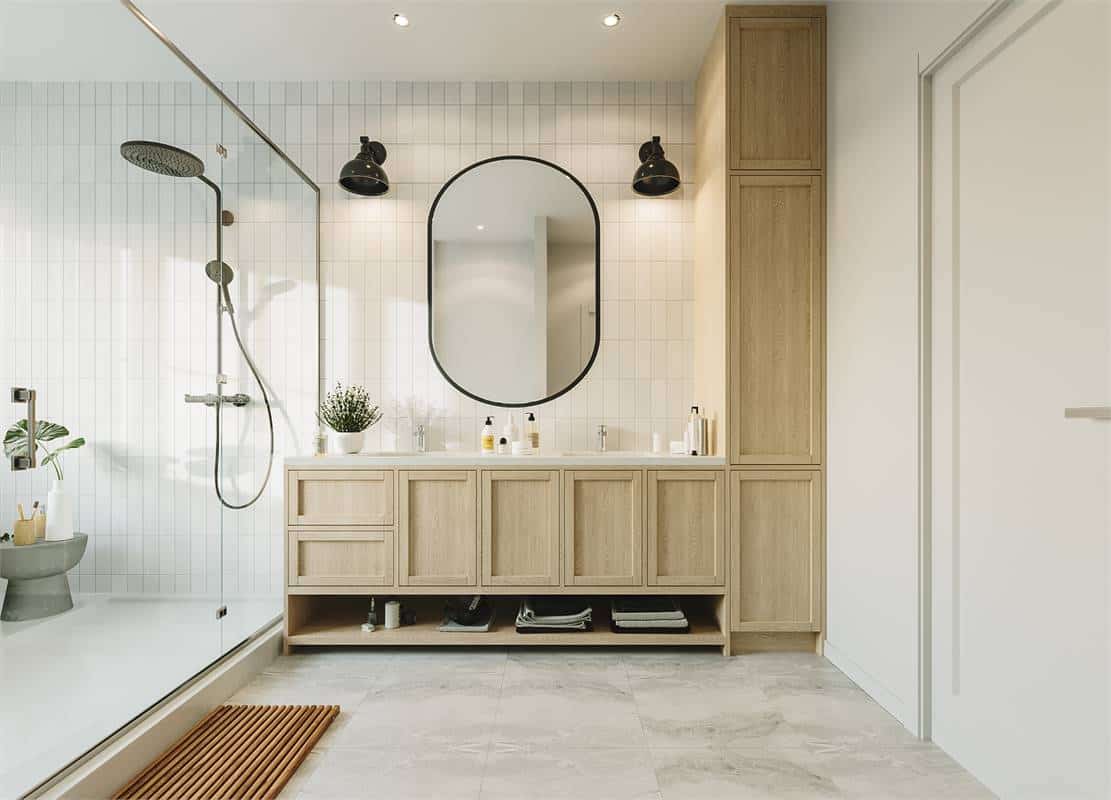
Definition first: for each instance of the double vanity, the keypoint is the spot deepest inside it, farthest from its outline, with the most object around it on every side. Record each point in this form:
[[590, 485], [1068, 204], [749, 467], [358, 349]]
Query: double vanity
[[514, 278], [425, 526]]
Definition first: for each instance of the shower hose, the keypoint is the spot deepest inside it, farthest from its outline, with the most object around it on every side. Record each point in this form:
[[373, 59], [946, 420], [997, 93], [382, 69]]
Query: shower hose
[[269, 419]]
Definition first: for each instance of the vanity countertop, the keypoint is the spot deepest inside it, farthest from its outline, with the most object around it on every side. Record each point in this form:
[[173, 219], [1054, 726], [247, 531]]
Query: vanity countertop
[[549, 458]]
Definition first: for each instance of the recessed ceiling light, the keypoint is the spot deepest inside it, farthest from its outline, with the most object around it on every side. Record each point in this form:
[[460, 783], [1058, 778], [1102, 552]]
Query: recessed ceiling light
[[611, 20], [400, 20], [480, 227]]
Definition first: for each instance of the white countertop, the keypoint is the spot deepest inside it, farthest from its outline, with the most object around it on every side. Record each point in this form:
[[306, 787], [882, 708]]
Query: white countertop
[[544, 458]]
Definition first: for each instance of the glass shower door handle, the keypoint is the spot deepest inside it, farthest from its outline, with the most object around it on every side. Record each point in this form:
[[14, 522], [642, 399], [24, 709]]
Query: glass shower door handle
[[28, 460]]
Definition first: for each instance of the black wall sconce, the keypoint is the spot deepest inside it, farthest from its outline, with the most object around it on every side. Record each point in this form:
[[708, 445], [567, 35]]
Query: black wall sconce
[[656, 176], [363, 175]]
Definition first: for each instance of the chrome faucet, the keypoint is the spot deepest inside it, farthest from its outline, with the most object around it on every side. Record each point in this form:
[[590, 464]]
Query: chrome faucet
[[421, 439], [601, 438], [28, 461]]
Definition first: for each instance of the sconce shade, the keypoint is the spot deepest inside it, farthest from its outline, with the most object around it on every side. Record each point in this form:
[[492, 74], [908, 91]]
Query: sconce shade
[[363, 175], [656, 176]]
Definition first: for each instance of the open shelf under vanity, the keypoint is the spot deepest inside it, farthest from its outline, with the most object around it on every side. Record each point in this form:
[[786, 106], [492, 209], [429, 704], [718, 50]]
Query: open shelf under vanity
[[336, 620]]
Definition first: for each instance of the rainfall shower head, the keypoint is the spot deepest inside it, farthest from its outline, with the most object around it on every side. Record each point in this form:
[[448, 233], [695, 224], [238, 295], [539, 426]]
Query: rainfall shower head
[[164, 159]]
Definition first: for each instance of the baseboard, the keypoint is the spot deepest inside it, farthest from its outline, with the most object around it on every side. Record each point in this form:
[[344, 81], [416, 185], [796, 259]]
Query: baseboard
[[890, 702], [774, 642], [104, 770]]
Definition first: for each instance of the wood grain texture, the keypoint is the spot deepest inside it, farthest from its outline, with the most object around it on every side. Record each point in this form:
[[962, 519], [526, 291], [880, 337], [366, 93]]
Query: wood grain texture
[[686, 528], [341, 557], [340, 497], [438, 527], [520, 527], [603, 528], [776, 97], [711, 189], [776, 518], [775, 319], [733, 12], [234, 753]]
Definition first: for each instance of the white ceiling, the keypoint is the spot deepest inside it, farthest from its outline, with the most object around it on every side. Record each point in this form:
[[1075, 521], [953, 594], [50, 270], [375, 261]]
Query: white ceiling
[[356, 39]]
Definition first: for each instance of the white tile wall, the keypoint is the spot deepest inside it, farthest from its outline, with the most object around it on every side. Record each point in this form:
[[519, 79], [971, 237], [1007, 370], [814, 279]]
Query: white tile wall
[[374, 260], [107, 313]]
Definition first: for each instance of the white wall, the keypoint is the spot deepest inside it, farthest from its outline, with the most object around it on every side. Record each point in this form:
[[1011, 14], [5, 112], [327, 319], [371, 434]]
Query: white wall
[[486, 325], [570, 321], [874, 54]]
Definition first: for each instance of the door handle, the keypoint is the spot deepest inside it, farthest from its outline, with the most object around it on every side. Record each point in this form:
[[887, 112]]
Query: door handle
[[29, 461], [1088, 412]]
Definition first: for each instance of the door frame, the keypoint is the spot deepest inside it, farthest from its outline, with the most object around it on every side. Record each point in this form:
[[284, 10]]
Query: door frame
[[924, 709]]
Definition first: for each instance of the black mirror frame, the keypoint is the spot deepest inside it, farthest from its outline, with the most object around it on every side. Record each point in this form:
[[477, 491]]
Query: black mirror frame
[[597, 283]]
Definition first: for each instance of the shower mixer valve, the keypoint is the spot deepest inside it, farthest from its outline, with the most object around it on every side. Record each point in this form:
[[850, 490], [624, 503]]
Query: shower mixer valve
[[210, 400]]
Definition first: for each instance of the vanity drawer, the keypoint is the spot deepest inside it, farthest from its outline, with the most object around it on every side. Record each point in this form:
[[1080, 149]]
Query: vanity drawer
[[341, 558], [340, 497]]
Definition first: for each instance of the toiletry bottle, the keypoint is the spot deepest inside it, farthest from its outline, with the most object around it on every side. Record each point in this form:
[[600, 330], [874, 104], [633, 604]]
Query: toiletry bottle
[[510, 431], [532, 430], [488, 437], [696, 427], [503, 446]]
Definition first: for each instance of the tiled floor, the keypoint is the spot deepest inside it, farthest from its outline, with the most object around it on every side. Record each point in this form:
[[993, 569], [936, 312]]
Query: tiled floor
[[589, 725]]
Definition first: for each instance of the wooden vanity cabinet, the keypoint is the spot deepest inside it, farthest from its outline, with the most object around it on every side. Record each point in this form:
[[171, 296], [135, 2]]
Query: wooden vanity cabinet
[[339, 497], [520, 527], [776, 101], [437, 528], [775, 319], [603, 527], [776, 517], [341, 557], [686, 528]]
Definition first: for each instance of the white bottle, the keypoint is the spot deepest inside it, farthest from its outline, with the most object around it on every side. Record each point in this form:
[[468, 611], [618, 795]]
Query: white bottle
[[696, 433], [510, 431]]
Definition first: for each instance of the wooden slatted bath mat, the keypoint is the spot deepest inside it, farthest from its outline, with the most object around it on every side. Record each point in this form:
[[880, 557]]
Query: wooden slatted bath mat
[[234, 753]]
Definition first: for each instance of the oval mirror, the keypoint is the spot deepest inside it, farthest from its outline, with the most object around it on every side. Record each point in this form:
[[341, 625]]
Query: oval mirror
[[513, 281]]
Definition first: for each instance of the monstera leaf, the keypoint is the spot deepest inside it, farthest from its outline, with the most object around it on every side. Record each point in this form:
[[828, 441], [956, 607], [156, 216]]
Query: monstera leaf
[[15, 440]]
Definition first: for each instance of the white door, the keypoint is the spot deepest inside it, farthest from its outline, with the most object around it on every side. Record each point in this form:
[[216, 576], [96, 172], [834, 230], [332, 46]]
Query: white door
[[1020, 332]]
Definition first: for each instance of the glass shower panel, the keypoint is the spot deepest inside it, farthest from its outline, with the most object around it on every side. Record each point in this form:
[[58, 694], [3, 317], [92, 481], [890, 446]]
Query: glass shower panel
[[271, 248], [106, 312]]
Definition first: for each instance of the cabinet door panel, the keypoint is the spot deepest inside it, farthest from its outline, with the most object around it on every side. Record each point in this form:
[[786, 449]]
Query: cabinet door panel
[[340, 497], [438, 531], [776, 96], [775, 320], [520, 528], [777, 542], [341, 558], [603, 528], [686, 528]]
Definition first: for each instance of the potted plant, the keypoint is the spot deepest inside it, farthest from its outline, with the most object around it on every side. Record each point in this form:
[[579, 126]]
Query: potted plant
[[348, 412], [59, 505]]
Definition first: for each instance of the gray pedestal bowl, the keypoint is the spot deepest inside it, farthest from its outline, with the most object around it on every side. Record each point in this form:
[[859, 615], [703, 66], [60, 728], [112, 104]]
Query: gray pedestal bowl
[[36, 573]]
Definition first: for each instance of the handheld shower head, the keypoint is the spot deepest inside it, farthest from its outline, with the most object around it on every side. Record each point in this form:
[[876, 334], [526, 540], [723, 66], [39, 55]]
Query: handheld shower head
[[221, 274], [162, 159]]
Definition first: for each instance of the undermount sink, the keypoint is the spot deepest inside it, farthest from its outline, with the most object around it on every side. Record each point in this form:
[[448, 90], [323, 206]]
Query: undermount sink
[[391, 454]]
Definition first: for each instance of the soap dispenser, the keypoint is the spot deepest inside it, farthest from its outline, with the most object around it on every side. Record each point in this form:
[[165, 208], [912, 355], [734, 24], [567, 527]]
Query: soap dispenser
[[488, 437], [532, 431]]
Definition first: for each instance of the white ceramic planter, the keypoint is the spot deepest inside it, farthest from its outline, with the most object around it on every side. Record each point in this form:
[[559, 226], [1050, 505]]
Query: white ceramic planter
[[349, 443], [59, 513]]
